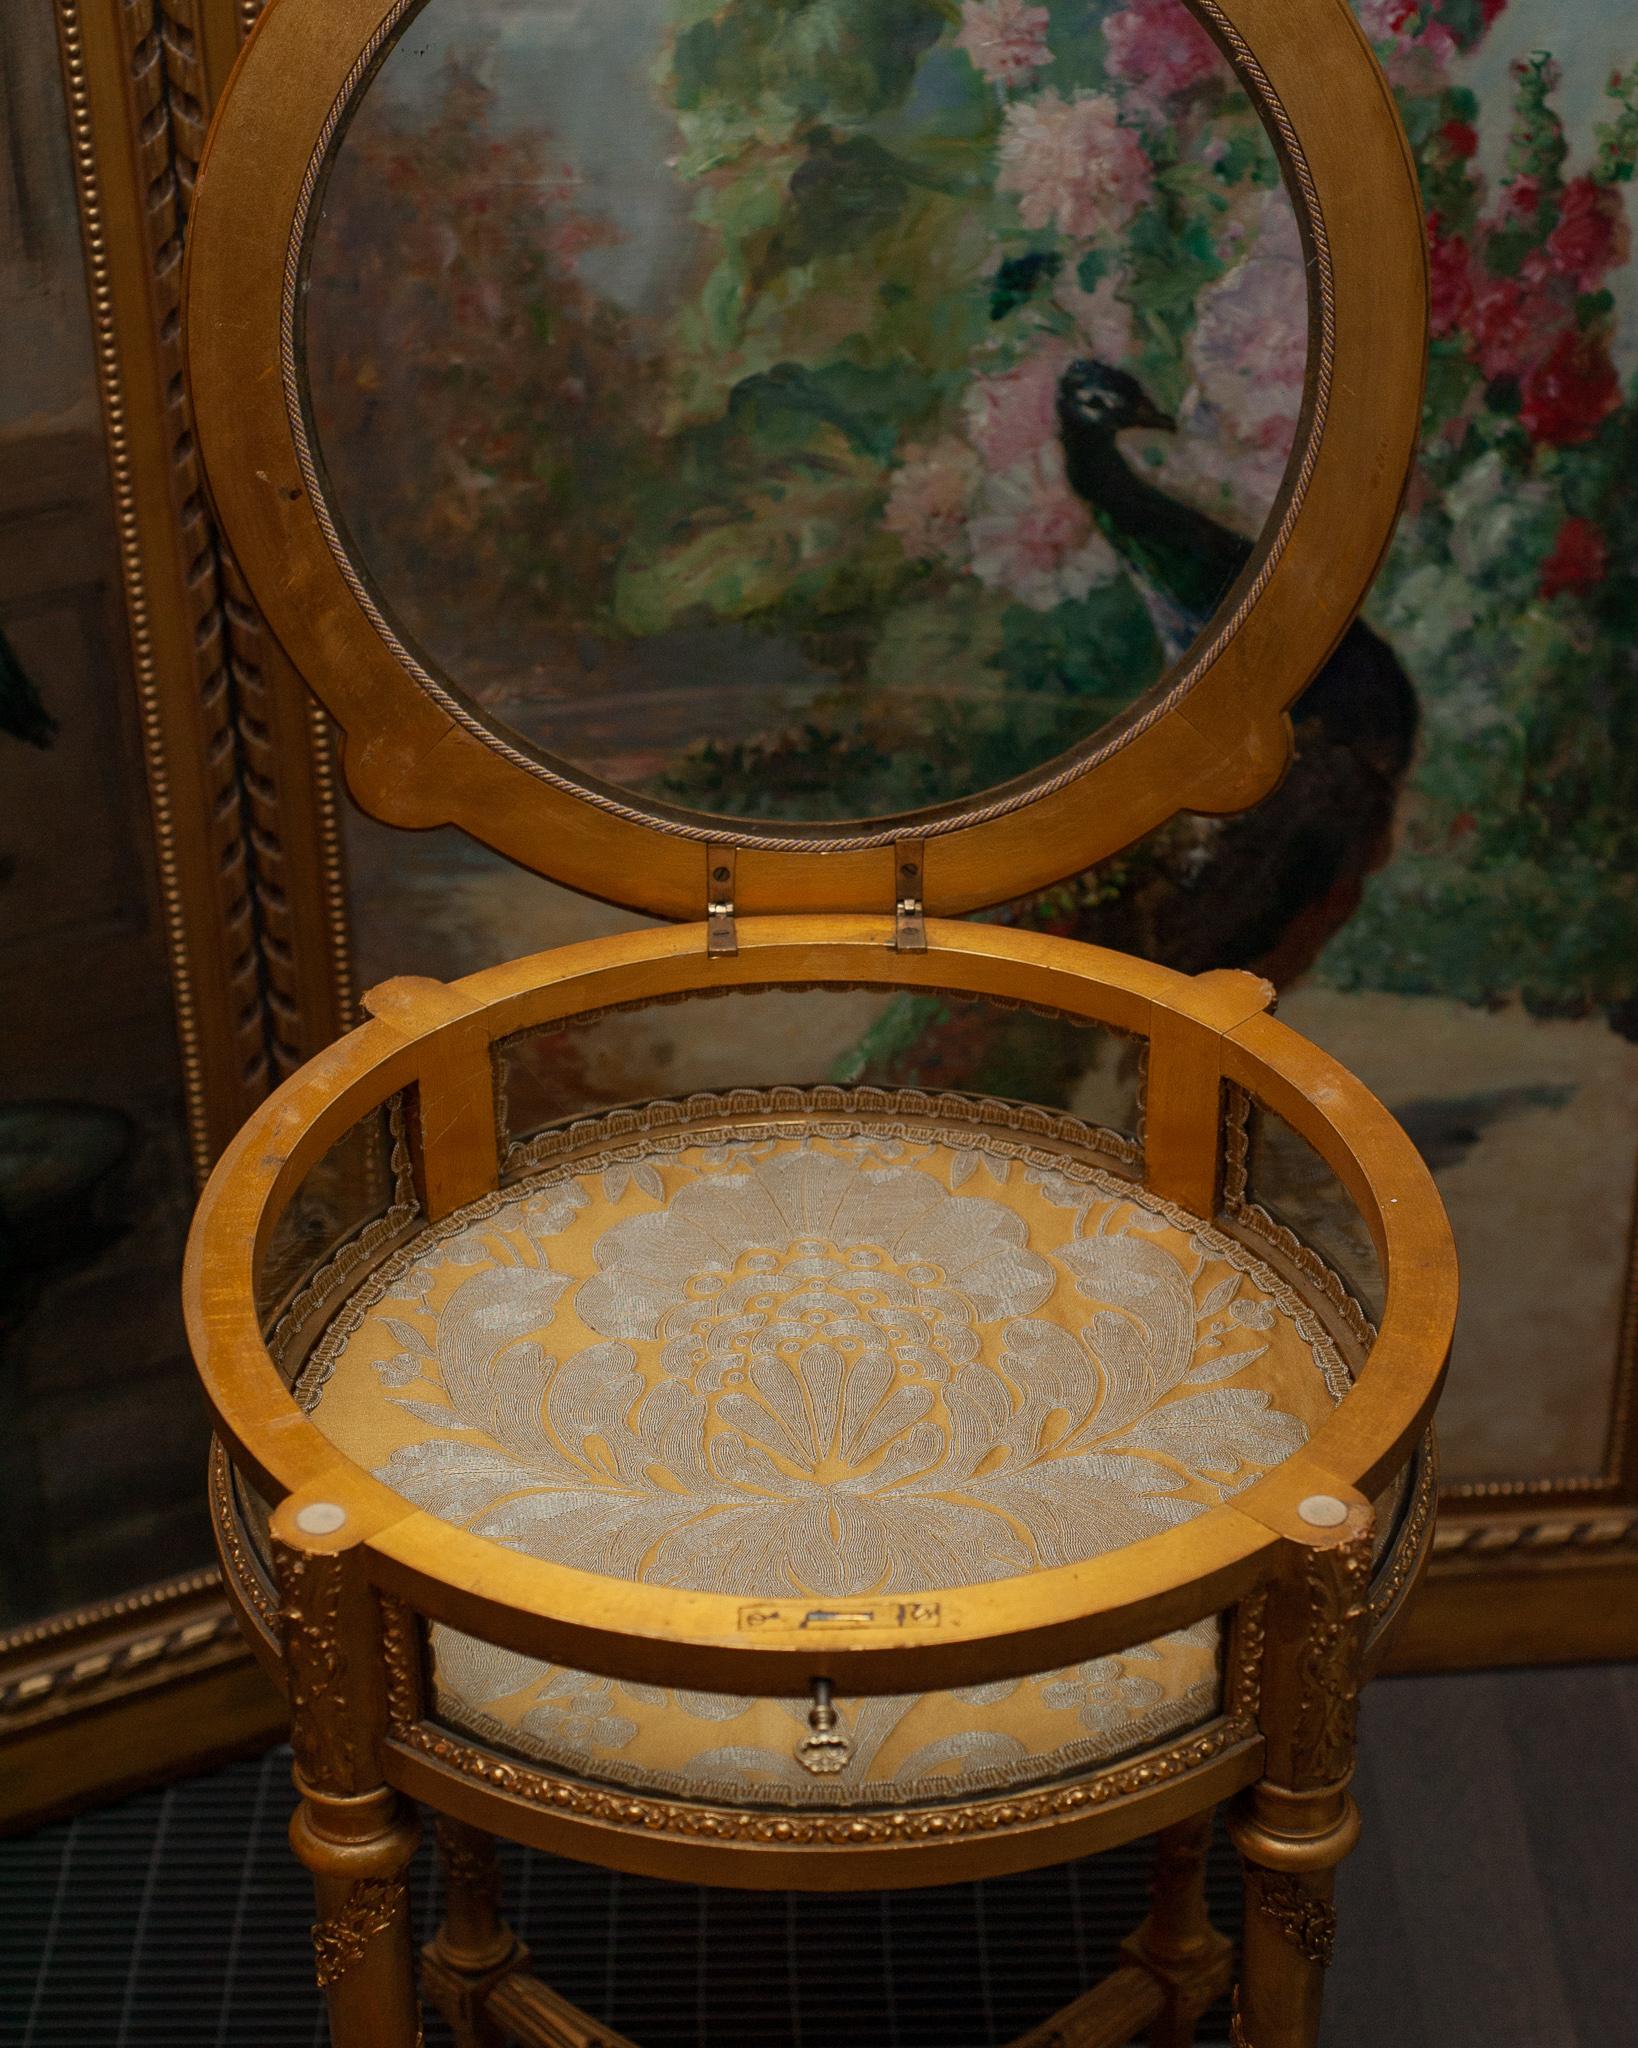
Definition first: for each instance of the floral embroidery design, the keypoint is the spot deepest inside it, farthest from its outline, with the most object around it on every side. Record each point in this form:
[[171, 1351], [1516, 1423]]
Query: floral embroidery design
[[846, 1385]]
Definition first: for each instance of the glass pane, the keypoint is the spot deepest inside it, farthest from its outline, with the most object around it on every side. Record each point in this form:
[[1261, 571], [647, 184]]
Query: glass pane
[[909, 1747], [354, 1204], [802, 412], [1280, 1183], [766, 1038]]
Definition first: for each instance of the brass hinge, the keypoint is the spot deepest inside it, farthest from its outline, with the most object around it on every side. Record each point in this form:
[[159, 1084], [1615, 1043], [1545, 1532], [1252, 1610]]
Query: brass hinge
[[909, 925], [721, 939]]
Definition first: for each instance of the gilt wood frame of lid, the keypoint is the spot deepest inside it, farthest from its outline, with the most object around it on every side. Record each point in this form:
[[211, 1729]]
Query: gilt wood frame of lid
[[1212, 736]]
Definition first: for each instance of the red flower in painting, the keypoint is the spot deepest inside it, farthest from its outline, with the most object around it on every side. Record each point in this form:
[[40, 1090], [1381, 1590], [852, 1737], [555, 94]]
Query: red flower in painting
[[1579, 561], [1450, 280], [1568, 396], [1591, 236], [1461, 138], [1513, 326]]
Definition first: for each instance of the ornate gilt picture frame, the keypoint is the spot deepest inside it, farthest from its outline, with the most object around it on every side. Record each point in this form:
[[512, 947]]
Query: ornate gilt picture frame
[[244, 832]]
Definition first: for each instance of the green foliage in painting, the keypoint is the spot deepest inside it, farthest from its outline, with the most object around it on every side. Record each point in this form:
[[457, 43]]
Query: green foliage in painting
[[1511, 594]]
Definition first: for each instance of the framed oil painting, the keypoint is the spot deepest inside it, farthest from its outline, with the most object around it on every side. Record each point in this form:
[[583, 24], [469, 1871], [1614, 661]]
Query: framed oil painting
[[95, 1185], [718, 393]]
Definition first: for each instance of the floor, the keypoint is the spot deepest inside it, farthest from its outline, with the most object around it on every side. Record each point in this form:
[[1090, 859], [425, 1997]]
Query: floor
[[1490, 1905]]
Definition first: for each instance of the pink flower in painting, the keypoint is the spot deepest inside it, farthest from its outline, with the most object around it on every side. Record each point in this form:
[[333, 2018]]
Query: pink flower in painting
[[928, 498], [1013, 415], [1413, 50], [1072, 164], [1381, 19], [1401, 21], [1006, 39], [1034, 539], [1249, 348], [1591, 237], [1102, 316], [1159, 47], [1232, 476], [1247, 359]]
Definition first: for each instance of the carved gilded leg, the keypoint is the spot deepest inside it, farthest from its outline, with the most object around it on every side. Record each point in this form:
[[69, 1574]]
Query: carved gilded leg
[[473, 1948], [351, 1830], [1177, 1943], [358, 1849], [1291, 1846], [1295, 1826]]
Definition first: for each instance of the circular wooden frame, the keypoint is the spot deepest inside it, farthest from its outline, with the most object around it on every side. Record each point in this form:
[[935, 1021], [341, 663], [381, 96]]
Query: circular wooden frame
[[1201, 1033], [1211, 738]]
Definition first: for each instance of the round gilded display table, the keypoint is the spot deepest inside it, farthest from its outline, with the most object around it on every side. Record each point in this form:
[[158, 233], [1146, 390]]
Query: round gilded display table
[[711, 460], [816, 1486]]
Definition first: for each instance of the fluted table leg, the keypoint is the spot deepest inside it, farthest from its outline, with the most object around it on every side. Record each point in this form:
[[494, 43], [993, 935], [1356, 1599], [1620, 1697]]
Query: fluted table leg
[[473, 1948], [1297, 1823], [351, 1830], [1177, 1942]]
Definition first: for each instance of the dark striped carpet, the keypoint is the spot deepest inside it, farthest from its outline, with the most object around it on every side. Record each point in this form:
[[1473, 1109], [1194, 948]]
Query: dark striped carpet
[[1492, 1903]]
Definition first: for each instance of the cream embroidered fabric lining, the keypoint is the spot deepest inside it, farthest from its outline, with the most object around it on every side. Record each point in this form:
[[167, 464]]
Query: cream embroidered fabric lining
[[826, 1359]]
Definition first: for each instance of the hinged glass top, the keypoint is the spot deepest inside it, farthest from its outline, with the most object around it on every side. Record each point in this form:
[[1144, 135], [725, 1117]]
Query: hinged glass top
[[802, 411], [807, 424]]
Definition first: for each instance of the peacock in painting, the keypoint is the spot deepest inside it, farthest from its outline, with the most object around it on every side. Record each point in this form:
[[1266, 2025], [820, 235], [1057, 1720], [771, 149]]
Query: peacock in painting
[[1276, 882]]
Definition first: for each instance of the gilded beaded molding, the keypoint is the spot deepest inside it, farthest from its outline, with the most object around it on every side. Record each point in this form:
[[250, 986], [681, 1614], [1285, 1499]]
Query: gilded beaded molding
[[825, 1830], [240, 1561]]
